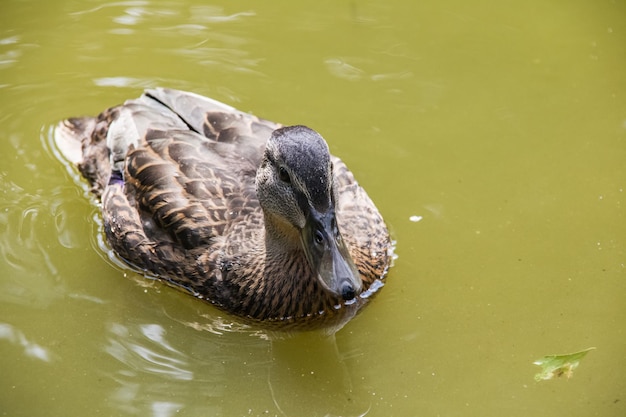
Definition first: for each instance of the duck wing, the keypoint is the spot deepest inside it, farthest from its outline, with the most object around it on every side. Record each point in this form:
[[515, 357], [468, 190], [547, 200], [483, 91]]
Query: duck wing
[[192, 170], [213, 119], [185, 163]]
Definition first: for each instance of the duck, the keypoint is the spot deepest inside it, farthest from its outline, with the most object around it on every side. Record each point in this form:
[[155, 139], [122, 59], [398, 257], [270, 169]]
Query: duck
[[255, 217]]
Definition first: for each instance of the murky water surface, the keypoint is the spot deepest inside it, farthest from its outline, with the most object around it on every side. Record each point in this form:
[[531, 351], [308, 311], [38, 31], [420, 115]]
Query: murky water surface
[[492, 136]]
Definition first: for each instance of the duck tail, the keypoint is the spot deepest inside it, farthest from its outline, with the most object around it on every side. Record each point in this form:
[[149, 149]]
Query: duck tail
[[82, 142], [69, 136]]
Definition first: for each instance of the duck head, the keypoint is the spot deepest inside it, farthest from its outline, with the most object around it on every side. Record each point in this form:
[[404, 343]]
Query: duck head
[[295, 189]]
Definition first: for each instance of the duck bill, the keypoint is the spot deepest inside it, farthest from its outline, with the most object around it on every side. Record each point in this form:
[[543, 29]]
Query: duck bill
[[329, 257]]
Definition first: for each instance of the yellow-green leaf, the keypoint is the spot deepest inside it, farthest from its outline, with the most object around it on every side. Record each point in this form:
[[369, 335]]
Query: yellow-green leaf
[[559, 365]]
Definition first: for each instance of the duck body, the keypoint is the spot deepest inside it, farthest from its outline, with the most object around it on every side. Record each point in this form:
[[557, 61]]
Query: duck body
[[256, 218]]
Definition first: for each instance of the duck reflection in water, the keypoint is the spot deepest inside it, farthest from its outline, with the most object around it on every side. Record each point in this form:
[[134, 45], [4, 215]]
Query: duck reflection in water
[[157, 371]]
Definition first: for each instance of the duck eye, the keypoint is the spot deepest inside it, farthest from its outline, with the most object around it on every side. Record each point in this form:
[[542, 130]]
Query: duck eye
[[284, 175], [319, 237]]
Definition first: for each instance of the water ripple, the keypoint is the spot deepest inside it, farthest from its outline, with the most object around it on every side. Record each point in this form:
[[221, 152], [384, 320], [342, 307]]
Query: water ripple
[[28, 223], [31, 349], [152, 369], [347, 69], [151, 353]]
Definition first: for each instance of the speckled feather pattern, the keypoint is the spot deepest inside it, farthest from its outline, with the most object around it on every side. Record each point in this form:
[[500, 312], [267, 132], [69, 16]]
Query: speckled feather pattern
[[185, 208]]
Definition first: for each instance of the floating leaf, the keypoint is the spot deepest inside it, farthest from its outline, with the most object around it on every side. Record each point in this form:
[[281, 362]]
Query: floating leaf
[[559, 365]]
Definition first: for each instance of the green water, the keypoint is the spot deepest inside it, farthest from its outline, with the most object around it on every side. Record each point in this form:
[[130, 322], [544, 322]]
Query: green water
[[499, 126]]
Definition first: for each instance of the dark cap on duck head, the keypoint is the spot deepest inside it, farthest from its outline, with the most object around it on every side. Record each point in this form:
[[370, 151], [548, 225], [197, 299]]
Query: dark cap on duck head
[[306, 152]]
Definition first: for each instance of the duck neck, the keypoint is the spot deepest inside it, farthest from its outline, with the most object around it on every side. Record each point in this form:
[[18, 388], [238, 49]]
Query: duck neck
[[288, 278], [280, 236]]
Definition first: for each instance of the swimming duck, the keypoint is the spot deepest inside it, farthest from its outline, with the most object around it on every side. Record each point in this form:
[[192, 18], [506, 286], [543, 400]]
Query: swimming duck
[[257, 218]]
